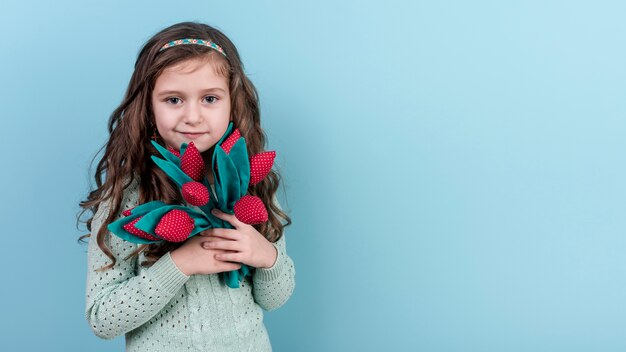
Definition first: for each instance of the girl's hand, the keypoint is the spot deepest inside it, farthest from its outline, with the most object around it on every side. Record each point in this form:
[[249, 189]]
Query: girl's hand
[[244, 243], [191, 258]]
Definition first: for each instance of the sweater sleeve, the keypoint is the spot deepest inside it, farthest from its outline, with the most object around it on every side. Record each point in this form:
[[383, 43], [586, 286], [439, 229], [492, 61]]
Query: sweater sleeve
[[123, 298], [273, 286]]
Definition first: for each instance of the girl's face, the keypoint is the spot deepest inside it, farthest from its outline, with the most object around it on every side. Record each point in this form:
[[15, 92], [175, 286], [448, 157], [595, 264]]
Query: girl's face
[[191, 102]]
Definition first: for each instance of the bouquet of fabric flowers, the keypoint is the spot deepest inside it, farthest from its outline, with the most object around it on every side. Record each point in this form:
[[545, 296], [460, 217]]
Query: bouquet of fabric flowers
[[233, 172]]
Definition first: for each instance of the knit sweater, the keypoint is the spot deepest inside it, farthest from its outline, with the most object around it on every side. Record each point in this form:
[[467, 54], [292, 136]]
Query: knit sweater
[[161, 309]]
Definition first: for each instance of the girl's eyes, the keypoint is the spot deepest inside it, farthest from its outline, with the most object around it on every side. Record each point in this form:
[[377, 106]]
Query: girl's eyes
[[174, 100], [169, 100], [214, 98]]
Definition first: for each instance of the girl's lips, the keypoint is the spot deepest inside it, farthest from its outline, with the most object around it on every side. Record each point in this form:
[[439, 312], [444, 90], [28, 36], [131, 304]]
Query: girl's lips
[[192, 135]]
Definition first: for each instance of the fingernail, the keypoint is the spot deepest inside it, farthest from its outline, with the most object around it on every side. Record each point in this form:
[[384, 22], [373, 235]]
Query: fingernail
[[214, 211]]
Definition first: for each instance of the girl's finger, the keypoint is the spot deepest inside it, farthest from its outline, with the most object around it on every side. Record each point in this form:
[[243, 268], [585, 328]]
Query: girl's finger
[[210, 239], [231, 266], [207, 232], [224, 245], [231, 218], [229, 257], [229, 234]]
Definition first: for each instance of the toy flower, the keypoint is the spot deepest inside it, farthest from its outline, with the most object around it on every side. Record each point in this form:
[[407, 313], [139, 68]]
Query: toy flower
[[175, 226], [195, 193], [233, 173], [260, 166]]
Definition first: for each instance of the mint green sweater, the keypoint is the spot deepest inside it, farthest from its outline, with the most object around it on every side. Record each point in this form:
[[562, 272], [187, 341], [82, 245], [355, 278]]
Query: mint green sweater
[[161, 309]]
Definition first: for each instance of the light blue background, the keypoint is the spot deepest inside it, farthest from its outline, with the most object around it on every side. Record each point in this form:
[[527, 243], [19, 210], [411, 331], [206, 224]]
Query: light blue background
[[454, 170]]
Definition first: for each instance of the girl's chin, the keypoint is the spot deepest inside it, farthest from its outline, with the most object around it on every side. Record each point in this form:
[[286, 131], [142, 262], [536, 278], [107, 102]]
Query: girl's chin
[[202, 147]]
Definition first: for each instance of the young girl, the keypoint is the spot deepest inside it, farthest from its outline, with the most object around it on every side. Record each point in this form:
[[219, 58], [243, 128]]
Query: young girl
[[188, 85]]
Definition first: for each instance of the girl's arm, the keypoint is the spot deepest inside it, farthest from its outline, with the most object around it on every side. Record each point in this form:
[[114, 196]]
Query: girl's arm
[[273, 286], [119, 299]]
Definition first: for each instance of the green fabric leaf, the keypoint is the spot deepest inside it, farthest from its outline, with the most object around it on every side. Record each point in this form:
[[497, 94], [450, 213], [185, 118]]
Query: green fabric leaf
[[239, 156], [212, 197], [173, 171], [166, 153], [233, 278], [147, 207], [229, 182], [117, 227], [214, 157]]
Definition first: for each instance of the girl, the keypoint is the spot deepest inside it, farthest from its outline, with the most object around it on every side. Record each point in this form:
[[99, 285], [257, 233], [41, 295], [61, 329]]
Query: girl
[[188, 85]]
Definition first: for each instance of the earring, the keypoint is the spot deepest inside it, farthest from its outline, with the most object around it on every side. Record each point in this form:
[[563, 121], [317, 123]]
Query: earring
[[154, 131]]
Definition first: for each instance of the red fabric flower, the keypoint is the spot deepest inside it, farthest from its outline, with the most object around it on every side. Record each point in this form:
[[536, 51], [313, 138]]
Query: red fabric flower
[[228, 143], [195, 193], [260, 166], [130, 228], [191, 163], [175, 226], [250, 210], [174, 151]]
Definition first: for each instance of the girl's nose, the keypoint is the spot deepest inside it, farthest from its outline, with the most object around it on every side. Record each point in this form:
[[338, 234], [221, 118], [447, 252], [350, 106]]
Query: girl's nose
[[193, 115]]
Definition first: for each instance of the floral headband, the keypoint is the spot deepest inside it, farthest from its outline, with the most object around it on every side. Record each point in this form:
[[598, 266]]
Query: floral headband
[[208, 43]]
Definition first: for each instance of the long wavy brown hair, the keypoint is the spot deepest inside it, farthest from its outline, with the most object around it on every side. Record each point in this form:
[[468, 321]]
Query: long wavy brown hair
[[128, 149]]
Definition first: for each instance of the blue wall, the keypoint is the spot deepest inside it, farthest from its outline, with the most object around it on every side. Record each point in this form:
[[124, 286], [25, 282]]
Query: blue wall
[[454, 170]]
